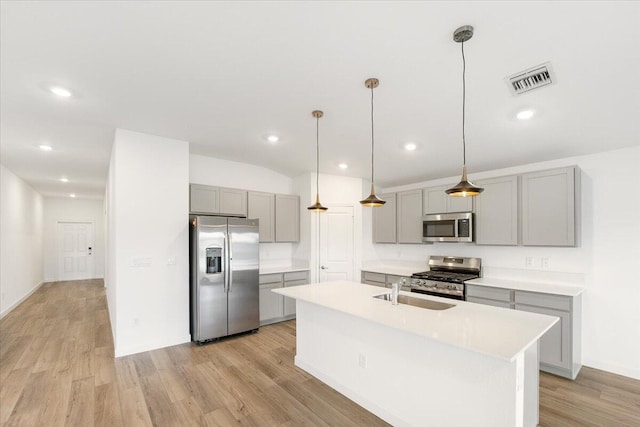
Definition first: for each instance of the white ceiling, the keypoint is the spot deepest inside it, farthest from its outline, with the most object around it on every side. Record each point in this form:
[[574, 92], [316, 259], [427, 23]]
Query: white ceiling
[[222, 75]]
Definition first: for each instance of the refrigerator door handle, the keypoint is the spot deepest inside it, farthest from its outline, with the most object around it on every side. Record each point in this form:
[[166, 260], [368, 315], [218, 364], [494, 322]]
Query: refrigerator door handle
[[225, 265], [230, 266]]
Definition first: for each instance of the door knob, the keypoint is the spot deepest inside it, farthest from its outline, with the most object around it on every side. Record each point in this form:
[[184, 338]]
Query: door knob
[[323, 267]]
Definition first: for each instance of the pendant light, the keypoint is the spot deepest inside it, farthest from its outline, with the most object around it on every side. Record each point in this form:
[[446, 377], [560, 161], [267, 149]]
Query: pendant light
[[372, 200], [317, 206], [464, 188]]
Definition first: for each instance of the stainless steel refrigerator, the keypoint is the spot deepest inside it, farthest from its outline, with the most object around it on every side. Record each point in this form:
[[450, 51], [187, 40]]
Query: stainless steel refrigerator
[[224, 261]]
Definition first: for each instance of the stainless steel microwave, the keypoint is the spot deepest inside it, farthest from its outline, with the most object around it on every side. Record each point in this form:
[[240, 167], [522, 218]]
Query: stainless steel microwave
[[448, 227]]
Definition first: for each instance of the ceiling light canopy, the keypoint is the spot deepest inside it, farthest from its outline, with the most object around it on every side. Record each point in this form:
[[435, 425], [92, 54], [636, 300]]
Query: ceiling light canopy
[[343, 166], [373, 200], [273, 138], [464, 188], [317, 206], [45, 147], [63, 179], [60, 91], [410, 146], [72, 195]]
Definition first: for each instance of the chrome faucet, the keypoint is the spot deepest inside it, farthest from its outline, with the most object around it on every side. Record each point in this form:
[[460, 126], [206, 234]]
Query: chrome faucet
[[395, 290]]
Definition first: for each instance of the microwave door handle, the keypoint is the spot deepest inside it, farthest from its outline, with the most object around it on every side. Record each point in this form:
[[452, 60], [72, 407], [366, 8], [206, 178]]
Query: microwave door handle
[[455, 228]]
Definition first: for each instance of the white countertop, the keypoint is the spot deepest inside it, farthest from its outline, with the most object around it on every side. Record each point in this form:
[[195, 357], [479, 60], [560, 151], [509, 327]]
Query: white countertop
[[282, 268], [542, 287], [493, 331]]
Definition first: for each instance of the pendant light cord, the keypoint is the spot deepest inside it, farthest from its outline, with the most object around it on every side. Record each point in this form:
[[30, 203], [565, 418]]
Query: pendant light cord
[[464, 98], [317, 156], [372, 141]]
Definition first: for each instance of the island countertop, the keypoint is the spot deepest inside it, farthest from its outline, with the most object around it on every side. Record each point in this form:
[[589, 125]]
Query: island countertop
[[493, 331]]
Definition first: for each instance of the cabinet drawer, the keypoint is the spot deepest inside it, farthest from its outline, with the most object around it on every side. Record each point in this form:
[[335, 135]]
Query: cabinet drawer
[[375, 277], [295, 275], [494, 303], [296, 283], [497, 294], [544, 300], [270, 278]]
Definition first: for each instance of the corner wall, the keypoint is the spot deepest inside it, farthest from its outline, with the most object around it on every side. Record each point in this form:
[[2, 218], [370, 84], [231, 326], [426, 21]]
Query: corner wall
[[21, 219], [148, 255]]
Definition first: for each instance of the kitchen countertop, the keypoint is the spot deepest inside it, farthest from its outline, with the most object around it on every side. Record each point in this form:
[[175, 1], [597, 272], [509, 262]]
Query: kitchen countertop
[[282, 268], [493, 331], [520, 285], [396, 269]]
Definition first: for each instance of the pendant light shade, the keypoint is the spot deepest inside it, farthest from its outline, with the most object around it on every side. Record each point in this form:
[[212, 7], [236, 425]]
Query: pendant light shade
[[464, 188], [372, 200], [317, 206]]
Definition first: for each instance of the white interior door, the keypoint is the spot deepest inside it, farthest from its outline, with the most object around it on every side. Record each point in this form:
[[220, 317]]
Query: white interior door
[[75, 250], [336, 244]]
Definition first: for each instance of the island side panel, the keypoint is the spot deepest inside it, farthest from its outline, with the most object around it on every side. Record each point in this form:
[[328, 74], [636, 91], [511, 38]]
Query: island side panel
[[410, 380]]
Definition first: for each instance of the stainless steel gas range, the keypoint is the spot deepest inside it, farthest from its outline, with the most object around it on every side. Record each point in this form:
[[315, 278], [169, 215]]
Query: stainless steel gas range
[[446, 276]]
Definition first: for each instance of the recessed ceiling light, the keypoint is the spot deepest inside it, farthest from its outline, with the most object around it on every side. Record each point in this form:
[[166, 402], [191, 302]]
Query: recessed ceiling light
[[64, 179], [72, 195], [272, 138], [45, 147], [525, 114], [410, 146], [343, 166], [60, 91]]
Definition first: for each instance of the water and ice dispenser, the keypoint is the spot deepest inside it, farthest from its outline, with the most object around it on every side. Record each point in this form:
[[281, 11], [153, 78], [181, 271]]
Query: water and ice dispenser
[[214, 260]]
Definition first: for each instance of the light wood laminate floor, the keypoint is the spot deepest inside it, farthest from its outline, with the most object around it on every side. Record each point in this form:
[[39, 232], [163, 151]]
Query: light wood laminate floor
[[57, 368]]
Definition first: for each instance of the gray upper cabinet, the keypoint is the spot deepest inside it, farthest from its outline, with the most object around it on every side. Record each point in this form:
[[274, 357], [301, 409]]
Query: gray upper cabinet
[[203, 199], [496, 219], [261, 206], [435, 200], [287, 224], [548, 207], [233, 201], [409, 216], [384, 220]]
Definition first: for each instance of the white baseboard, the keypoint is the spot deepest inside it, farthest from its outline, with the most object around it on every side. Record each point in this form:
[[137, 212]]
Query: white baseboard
[[128, 350], [614, 369], [17, 303]]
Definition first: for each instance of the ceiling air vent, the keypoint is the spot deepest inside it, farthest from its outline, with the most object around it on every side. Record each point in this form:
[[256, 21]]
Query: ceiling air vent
[[530, 79]]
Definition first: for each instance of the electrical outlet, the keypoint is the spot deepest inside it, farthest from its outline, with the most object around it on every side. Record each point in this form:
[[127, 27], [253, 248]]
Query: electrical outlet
[[171, 261], [544, 262], [136, 321], [362, 360], [529, 262]]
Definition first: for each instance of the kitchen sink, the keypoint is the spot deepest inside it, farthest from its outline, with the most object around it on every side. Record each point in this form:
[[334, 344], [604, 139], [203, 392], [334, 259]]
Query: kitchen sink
[[417, 302]]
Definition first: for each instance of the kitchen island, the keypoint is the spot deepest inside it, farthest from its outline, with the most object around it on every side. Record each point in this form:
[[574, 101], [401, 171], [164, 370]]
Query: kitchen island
[[469, 365]]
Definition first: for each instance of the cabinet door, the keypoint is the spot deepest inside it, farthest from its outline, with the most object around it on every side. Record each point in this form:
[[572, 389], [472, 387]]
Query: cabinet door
[[490, 302], [555, 344], [548, 208], [409, 216], [233, 201], [287, 218], [496, 219], [271, 304], [203, 199], [261, 206], [290, 303], [435, 200], [384, 220]]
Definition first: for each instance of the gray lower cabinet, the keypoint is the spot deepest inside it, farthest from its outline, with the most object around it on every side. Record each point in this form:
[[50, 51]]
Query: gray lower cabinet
[[560, 346], [384, 280], [548, 207], [409, 216], [261, 206], [496, 218], [287, 224], [384, 220], [274, 307]]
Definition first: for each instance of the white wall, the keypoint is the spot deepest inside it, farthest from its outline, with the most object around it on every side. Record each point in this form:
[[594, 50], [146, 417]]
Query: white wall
[[148, 208], [68, 209], [606, 257], [225, 173], [21, 217]]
